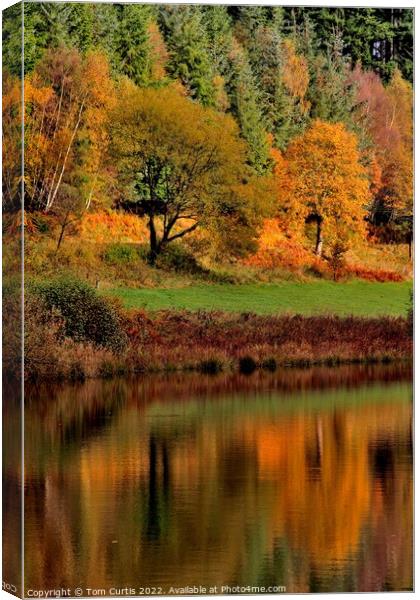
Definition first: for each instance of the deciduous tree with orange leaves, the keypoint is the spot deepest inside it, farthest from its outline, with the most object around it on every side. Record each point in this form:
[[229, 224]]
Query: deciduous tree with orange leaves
[[67, 99], [328, 183], [386, 112]]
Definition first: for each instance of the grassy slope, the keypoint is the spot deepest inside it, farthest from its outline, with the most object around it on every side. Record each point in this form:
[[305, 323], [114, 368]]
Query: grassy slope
[[356, 297]]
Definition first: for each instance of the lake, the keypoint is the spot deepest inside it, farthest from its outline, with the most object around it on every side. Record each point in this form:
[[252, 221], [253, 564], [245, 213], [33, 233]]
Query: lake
[[299, 478]]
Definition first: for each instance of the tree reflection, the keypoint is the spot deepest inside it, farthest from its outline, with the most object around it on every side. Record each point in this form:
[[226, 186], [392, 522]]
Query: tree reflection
[[308, 489]]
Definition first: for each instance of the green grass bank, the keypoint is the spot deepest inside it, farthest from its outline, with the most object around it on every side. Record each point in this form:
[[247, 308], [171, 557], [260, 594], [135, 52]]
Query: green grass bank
[[359, 298]]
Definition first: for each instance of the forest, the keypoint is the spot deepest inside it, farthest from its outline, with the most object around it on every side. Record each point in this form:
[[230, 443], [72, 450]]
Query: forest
[[167, 146]]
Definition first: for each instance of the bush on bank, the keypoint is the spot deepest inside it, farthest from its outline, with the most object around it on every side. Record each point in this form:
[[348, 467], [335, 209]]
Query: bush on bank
[[87, 317], [71, 332]]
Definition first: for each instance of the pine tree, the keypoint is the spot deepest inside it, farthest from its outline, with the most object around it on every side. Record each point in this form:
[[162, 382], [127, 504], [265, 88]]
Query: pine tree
[[277, 19], [80, 29], [187, 43], [245, 101], [333, 94], [218, 26], [367, 34], [248, 19], [12, 40], [131, 46], [292, 103], [106, 31], [265, 59]]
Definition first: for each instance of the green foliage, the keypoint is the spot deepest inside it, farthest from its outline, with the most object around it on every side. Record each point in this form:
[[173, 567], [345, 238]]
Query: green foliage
[[245, 100], [248, 20], [332, 95], [266, 63], [186, 39], [87, 316], [218, 26], [12, 39], [380, 38], [81, 26], [131, 47], [120, 253], [176, 258], [198, 36]]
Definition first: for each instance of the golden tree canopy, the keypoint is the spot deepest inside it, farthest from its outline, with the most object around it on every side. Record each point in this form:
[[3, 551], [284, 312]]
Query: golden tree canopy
[[183, 166], [328, 180]]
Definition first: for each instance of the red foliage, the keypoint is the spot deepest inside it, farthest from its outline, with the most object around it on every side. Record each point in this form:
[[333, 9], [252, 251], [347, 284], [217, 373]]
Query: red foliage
[[372, 274], [183, 338]]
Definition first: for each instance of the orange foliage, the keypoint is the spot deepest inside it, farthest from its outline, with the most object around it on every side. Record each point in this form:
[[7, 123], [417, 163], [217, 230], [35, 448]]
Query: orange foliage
[[328, 180], [106, 226], [11, 152], [291, 211], [277, 249], [295, 74], [159, 53], [381, 275], [67, 99]]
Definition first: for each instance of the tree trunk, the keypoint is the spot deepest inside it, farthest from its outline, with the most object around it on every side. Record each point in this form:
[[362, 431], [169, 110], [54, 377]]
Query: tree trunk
[[63, 228], [154, 245], [319, 239]]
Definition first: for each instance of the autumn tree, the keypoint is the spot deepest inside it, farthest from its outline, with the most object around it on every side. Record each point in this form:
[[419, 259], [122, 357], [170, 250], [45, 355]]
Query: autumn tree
[[67, 99], [292, 103], [183, 167], [11, 141], [386, 114], [328, 182], [398, 173]]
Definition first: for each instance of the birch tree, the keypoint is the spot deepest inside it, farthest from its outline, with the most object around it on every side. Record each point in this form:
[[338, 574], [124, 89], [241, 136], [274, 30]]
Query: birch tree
[[67, 99]]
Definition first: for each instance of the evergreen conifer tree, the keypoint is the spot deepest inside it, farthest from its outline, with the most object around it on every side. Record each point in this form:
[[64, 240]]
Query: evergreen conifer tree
[[187, 43]]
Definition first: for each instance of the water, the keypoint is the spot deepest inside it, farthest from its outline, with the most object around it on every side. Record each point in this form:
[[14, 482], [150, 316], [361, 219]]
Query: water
[[300, 479]]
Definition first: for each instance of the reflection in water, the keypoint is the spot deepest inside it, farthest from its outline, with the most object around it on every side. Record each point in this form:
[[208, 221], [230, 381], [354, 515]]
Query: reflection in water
[[301, 479]]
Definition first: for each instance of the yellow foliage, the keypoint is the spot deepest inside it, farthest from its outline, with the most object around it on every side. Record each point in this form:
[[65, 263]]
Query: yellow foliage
[[295, 74], [328, 180]]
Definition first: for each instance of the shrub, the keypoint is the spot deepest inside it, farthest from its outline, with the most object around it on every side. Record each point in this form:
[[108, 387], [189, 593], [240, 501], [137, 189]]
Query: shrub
[[120, 253], [106, 369], [380, 275], [247, 365], [77, 372], [318, 268], [12, 325], [87, 316], [212, 366], [175, 258], [269, 364], [337, 259], [41, 223]]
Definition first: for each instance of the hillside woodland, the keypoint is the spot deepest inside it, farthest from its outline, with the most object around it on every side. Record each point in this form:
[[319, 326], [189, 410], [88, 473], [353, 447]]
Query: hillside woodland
[[166, 144]]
